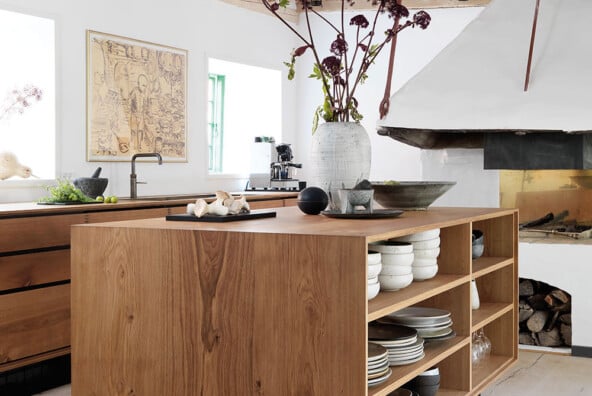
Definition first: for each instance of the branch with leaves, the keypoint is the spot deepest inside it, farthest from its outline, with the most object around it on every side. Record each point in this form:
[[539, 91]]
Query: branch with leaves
[[339, 73]]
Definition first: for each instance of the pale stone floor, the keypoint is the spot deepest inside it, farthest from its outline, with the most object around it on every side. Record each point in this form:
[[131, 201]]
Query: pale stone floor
[[535, 374]]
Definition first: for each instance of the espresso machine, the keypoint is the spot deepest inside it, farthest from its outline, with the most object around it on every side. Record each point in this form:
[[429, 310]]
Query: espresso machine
[[272, 168]]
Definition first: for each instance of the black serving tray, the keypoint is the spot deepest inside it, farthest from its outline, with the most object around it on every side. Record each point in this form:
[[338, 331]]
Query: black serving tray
[[254, 214]]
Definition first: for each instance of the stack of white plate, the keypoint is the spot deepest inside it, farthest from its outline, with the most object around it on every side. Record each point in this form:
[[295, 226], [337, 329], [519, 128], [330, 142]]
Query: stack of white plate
[[378, 364], [397, 258], [374, 267], [426, 249], [402, 343], [432, 324]]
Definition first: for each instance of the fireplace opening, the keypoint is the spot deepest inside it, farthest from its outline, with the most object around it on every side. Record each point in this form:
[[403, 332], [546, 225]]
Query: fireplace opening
[[551, 203], [544, 314]]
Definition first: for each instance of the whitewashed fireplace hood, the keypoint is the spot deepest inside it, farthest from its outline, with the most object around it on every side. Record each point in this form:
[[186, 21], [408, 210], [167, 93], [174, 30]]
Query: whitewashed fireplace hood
[[472, 94]]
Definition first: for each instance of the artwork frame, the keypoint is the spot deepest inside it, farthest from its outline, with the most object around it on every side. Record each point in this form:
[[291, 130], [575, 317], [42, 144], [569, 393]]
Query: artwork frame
[[136, 99]]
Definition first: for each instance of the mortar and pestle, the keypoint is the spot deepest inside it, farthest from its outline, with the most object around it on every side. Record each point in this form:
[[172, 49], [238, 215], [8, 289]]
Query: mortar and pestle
[[92, 186]]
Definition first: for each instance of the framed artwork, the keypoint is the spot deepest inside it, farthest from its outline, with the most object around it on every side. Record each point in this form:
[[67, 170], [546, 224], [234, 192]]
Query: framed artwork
[[135, 99]]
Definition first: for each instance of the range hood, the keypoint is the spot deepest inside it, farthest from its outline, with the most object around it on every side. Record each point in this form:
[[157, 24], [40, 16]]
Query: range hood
[[472, 94]]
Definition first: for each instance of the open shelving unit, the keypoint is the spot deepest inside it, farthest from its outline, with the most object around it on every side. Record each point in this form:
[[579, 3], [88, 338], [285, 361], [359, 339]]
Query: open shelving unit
[[279, 306]]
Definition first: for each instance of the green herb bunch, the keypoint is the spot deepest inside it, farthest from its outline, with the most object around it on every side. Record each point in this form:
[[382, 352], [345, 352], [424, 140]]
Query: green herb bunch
[[65, 191]]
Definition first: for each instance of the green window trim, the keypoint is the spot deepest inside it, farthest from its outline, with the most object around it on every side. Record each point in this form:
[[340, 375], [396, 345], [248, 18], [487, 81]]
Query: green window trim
[[216, 86]]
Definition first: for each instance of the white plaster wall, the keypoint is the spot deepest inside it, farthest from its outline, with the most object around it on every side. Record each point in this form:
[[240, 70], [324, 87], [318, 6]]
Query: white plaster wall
[[204, 27]]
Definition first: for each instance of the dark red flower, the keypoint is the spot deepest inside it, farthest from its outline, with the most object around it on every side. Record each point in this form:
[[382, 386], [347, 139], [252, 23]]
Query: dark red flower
[[332, 65], [359, 20], [363, 46], [422, 19], [339, 46], [275, 7], [395, 10]]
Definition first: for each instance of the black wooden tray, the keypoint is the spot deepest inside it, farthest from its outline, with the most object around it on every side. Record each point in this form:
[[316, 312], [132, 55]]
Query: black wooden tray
[[254, 214]]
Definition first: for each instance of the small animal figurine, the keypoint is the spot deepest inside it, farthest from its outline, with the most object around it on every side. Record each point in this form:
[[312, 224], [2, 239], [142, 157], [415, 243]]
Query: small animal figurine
[[9, 166]]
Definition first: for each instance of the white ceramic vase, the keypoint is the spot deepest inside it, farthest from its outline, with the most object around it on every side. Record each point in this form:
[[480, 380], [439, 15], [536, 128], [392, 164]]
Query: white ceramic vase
[[340, 156], [475, 301]]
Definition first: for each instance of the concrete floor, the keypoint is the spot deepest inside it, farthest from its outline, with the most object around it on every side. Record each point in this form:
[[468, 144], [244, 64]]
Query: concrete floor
[[545, 374], [535, 374]]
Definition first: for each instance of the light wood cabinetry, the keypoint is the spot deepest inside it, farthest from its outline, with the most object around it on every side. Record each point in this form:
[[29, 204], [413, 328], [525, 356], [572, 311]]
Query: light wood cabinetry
[[35, 272], [278, 306]]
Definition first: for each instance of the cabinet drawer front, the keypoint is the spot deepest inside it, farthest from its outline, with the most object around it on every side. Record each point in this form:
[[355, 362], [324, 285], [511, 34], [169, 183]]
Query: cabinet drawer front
[[34, 321], [291, 202], [36, 232], [120, 215], [275, 203], [34, 269]]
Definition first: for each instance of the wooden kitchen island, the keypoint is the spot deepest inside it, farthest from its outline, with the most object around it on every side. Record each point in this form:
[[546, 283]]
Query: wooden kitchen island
[[277, 306]]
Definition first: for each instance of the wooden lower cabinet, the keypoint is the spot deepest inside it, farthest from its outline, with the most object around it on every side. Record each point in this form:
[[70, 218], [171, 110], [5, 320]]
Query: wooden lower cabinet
[[35, 275], [278, 306]]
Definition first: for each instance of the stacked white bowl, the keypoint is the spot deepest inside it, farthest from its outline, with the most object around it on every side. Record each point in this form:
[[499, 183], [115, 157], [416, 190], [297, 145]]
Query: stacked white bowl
[[426, 249], [374, 267], [397, 258]]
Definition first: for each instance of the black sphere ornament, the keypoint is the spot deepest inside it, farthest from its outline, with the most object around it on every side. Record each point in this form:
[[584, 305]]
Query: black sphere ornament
[[312, 200]]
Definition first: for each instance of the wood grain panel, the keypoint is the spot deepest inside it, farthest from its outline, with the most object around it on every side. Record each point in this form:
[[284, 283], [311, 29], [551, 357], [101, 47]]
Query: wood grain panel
[[455, 250], [34, 321], [291, 202], [497, 236], [455, 371], [273, 203], [192, 313], [32, 269], [119, 215], [36, 232]]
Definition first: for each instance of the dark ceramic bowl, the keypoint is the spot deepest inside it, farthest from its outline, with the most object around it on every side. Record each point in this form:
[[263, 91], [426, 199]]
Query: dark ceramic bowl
[[477, 245], [409, 195], [91, 186]]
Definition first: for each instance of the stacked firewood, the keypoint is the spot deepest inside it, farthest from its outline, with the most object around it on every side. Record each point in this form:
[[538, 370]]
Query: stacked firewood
[[544, 314]]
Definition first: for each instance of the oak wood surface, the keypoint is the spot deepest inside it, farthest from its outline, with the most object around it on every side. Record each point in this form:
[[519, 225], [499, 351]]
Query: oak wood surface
[[34, 321], [23, 270], [36, 232], [167, 312], [269, 306]]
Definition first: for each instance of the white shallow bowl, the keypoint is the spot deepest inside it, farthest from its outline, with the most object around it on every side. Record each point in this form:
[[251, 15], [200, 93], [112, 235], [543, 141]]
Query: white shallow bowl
[[373, 280], [373, 290], [427, 244], [427, 253], [423, 273], [397, 259], [374, 270], [394, 282], [391, 247], [420, 236], [395, 270], [424, 262], [373, 258]]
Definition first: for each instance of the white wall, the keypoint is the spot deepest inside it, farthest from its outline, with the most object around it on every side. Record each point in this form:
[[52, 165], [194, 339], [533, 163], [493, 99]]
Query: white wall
[[204, 27]]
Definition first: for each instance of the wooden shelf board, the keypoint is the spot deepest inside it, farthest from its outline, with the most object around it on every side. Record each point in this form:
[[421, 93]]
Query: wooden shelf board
[[489, 371], [450, 392], [488, 312], [34, 359], [485, 265], [434, 353], [390, 301]]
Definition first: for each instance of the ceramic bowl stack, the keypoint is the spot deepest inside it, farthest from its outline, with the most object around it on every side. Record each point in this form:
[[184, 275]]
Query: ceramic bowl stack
[[431, 324], [378, 364], [374, 267], [426, 249], [397, 257], [402, 343]]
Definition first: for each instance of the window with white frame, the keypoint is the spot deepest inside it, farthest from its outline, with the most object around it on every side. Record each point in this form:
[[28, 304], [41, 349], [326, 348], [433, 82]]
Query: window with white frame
[[249, 104], [27, 91]]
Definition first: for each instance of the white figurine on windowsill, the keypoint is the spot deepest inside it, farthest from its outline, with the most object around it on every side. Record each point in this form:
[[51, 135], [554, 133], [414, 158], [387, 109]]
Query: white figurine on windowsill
[[9, 166]]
